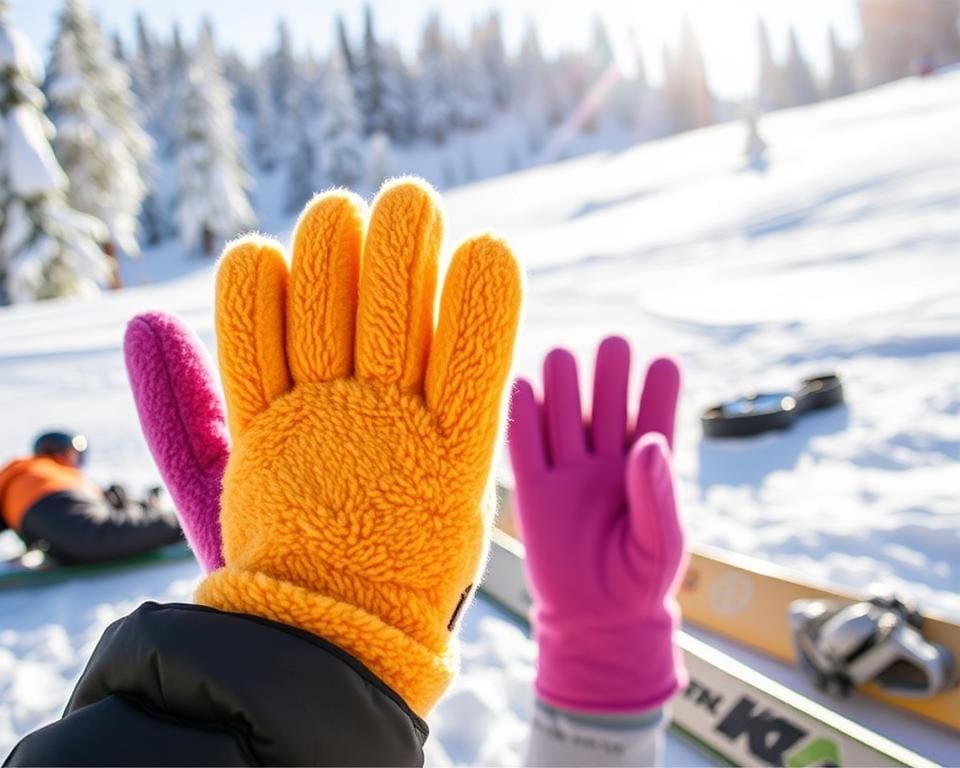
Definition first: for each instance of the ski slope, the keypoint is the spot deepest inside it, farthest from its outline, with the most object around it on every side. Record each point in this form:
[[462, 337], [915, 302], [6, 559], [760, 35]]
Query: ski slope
[[843, 253]]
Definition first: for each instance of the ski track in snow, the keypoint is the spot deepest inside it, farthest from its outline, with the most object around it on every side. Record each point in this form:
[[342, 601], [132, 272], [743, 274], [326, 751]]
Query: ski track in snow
[[841, 254]]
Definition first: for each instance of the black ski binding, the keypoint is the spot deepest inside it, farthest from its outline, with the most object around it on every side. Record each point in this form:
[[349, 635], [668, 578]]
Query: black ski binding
[[764, 411]]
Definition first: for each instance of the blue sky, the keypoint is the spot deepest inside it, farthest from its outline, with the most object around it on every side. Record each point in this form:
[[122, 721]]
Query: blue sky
[[725, 27]]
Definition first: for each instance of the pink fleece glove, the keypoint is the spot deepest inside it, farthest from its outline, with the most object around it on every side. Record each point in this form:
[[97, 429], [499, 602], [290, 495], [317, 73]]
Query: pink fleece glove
[[604, 544], [182, 417]]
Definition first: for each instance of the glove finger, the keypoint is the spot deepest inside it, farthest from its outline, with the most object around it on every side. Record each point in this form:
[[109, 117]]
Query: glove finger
[[655, 526], [471, 355], [561, 395], [608, 428], [658, 403], [397, 283], [250, 318], [322, 305], [181, 414], [528, 454]]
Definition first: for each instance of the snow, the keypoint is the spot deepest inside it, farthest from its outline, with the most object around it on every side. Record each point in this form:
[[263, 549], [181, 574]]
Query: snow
[[339, 138], [18, 53], [31, 167], [841, 254]]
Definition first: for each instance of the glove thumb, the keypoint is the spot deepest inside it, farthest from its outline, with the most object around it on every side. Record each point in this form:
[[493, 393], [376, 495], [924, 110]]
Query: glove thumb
[[655, 528]]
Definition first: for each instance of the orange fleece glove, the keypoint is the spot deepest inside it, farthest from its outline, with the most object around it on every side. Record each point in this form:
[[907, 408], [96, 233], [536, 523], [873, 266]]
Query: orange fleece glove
[[356, 502]]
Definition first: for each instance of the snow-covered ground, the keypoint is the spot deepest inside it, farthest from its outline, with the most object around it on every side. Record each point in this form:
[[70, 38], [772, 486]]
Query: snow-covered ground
[[842, 253]]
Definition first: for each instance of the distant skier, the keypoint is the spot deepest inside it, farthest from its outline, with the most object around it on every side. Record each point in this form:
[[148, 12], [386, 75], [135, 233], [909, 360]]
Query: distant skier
[[46, 499], [755, 150]]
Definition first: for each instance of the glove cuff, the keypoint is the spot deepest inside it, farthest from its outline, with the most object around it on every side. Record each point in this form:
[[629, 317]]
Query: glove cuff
[[608, 669], [415, 672]]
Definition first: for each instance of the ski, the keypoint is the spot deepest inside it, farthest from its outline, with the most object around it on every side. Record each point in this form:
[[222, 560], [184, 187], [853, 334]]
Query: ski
[[36, 569], [736, 597], [729, 711]]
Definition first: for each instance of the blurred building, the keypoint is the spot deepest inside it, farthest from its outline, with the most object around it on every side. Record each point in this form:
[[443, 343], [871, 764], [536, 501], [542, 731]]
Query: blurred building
[[906, 37]]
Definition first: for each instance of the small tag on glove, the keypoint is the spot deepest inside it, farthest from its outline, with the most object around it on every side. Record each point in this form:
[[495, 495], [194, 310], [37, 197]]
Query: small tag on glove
[[459, 608]]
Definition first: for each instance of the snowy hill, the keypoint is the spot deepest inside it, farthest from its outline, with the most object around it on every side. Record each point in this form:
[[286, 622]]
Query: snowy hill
[[842, 253]]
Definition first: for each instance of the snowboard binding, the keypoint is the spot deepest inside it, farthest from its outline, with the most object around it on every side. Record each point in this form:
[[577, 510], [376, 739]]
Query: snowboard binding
[[879, 640], [764, 411]]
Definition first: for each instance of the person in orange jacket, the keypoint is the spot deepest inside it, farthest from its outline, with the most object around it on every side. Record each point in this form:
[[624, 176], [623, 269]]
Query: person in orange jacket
[[51, 505]]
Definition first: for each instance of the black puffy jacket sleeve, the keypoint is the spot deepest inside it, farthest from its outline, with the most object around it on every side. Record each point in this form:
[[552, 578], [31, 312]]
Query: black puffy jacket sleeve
[[188, 685]]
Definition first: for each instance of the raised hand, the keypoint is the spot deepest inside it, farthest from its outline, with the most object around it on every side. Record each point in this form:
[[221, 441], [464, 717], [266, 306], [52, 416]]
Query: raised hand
[[354, 502], [604, 544]]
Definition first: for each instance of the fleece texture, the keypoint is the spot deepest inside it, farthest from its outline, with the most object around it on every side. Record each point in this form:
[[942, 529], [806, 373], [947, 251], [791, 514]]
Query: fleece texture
[[356, 499], [182, 417], [604, 542]]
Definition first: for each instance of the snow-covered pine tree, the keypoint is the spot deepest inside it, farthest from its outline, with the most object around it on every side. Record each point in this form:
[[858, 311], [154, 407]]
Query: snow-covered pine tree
[[406, 89], [687, 96], [625, 101], [599, 54], [434, 108], [633, 101], [620, 95], [119, 52], [302, 161], [378, 84], [343, 40], [529, 65], [145, 67], [799, 78], [340, 128], [532, 88], [771, 85], [472, 99], [147, 74], [264, 136], [154, 226], [571, 69], [649, 122], [379, 161], [162, 105], [564, 86], [841, 80], [283, 78], [151, 89], [668, 68], [301, 165], [488, 39], [283, 67], [177, 58], [243, 82], [212, 195], [47, 249], [99, 142]]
